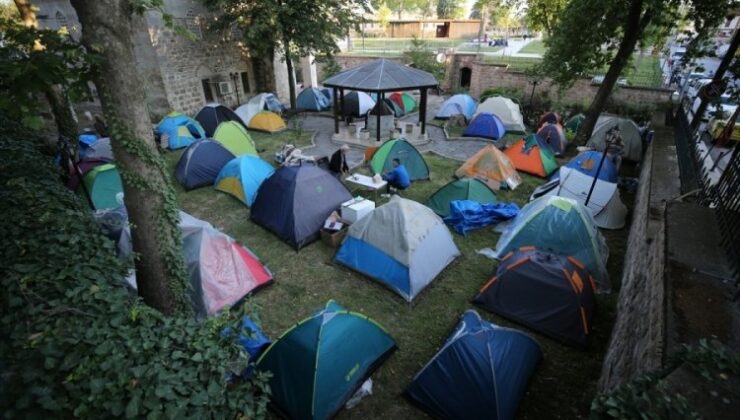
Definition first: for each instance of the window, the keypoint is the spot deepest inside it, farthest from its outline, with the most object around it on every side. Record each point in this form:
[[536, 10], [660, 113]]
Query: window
[[207, 90], [245, 82]]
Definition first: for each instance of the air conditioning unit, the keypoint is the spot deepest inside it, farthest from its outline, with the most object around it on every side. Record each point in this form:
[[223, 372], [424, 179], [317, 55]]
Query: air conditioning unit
[[224, 88]]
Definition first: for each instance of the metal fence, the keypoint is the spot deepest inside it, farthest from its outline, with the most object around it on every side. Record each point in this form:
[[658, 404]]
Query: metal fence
[[723, 196]]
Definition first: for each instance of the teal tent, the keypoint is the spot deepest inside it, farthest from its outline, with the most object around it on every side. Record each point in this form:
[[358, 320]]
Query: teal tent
[[461, 189], [404, 151], [319, 363]]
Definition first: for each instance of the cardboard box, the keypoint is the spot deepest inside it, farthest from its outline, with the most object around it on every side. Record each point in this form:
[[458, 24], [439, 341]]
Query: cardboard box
[[333, 238], [355, 210]]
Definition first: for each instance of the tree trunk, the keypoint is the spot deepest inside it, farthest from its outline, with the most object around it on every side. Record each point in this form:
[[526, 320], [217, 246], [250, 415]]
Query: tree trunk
[[483, 21], [150, 198], [291, 77], [58, 101], [636, 23]]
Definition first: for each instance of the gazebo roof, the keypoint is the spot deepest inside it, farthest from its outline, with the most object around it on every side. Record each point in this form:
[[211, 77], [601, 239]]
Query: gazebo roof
[[382, 75]]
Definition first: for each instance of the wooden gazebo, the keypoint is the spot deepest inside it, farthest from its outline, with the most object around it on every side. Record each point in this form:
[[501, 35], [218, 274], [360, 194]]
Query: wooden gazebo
[[381, 76]]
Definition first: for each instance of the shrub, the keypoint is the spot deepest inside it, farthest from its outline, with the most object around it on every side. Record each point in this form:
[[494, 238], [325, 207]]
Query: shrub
[[510, 92], [421, 57], [75, 342]]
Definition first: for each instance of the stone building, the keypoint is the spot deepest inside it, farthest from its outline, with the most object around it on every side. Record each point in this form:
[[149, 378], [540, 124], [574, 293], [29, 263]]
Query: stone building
[[182, 74]]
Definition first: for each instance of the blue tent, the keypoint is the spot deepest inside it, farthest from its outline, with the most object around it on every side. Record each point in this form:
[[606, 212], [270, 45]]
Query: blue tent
[[242, 177], [588, 162], [460, 104], [481, 372], [563, 226], [200, 164], [485, 125], [296, 200], [311, 99], [319, 363], [180, 129]]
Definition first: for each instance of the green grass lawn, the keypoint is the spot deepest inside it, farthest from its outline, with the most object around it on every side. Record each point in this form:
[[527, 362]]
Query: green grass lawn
[[564, 383], [400, 44], [644, 71], [534, 47], [514, 63], [475, 48]]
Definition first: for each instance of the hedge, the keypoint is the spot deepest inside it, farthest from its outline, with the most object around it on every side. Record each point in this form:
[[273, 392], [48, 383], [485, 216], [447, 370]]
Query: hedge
[[75, 341]]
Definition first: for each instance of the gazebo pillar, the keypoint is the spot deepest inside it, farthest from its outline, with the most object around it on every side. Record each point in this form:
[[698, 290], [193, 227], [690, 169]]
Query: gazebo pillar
[[336, 111], [381, 95], [341, 102], [423, 111]]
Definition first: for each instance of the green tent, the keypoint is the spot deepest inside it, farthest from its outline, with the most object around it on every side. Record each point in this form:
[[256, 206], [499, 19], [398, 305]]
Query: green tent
[[103, 183], [319, 363], [415, 164], [574, 122], [461, 189], [235, 138]]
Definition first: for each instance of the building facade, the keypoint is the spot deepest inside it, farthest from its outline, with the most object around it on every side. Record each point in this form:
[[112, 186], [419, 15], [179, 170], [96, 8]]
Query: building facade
[[182, 74]]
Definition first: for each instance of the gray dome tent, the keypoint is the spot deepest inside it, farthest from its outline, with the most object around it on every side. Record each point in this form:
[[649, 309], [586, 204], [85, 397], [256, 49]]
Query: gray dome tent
[[628, 130]]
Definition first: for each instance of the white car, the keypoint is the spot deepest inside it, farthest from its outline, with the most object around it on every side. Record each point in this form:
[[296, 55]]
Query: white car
[[723, 110], [597, 80]]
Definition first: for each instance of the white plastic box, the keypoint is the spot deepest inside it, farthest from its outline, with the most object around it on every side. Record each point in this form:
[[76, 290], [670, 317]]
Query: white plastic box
[[355, 209]]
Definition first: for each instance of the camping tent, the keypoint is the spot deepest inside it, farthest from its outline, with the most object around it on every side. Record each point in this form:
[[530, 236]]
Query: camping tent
[[242, 177], [551, 117], [403, 100], [181, 130], [328, 94], [480, 373], [605, 204], [528, 155], [200, 164], [485, 125], [85, 165], [401, 244], [553, 137], [267, 121], [319, 363], [461, 189], [235, 138], [563, 226], [628, 131], [397, 109], [296, 200], [506, 109], [574, 122], [100, 149], [213, 114], [491, 166], [588, 163], [415, 164], [220, 271], [460, 104], [103, 183], [550, 293], [357, 104], [311, 99], [260, 102]]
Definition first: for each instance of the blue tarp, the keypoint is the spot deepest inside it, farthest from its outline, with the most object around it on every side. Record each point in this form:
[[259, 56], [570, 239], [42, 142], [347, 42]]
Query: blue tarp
[[466, 215]]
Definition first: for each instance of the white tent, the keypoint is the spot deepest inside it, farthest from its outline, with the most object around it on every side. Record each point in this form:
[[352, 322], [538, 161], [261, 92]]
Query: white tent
[[605, 204], [402, 244], [628, 131], [259, 103], [506, 109]]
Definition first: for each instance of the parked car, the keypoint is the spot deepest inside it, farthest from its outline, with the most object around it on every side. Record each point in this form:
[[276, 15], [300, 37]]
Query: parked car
[[722, 110], [597, 80]]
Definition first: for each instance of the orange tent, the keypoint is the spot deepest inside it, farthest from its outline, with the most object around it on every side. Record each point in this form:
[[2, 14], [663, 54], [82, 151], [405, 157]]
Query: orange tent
[[529, 156], [491, 166]]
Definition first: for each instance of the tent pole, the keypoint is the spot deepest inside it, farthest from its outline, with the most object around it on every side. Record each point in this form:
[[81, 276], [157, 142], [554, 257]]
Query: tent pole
[[381, 96], [601, 163], [423, 111], [336, 111]]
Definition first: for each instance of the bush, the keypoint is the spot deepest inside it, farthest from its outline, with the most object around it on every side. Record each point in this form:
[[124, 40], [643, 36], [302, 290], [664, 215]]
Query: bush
[[421, 57], [75, 342], [330, 67], [514, 94]]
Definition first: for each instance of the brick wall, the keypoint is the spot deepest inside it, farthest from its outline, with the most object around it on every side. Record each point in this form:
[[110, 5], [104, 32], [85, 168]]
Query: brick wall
[[486, 76]]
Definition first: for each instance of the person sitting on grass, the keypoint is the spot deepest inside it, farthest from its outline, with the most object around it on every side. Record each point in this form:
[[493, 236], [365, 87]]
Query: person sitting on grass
[[338, 163], [398, 178]]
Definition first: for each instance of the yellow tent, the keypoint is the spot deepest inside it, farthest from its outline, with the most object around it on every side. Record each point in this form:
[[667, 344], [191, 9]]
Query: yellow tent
[[267, 121], [234, 138], [491, 166]]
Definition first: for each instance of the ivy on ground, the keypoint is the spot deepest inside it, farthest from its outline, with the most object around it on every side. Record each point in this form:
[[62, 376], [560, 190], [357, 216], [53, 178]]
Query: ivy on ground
[[75, 341]]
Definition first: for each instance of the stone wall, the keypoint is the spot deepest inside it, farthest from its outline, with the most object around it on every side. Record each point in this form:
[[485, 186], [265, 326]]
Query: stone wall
[[636, 343]]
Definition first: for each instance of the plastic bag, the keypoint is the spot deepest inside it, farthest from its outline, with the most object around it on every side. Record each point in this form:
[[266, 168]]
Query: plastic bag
[[365, 390]]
